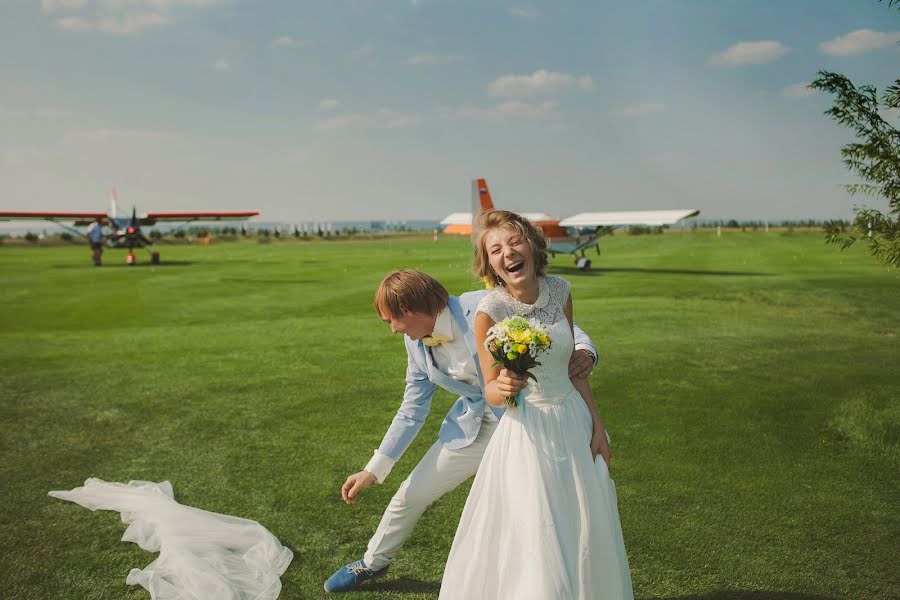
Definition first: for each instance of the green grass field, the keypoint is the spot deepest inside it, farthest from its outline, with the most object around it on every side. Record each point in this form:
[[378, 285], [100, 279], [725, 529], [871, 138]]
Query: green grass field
[[750, 383]]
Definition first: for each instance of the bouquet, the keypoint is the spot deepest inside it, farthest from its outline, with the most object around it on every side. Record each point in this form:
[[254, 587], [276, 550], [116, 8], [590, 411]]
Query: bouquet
[[515, 344]]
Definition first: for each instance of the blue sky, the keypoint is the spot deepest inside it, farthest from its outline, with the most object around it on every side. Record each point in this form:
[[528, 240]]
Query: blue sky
[[386, 109]]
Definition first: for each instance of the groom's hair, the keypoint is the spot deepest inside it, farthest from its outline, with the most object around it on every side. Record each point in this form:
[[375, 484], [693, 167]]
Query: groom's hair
[[410, 291]]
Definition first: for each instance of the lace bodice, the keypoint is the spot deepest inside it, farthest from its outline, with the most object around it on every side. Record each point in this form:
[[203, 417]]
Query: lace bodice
[[553, 384], [549, 307]]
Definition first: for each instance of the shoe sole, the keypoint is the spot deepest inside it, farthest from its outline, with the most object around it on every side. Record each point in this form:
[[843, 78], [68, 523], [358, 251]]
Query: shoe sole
[[327, 591]]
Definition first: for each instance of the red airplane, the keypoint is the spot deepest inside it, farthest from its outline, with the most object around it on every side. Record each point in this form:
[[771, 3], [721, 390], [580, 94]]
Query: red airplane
[[127, 232]]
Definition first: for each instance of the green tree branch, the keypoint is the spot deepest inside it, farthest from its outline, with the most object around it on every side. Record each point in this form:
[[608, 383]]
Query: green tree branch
[[875, 158]]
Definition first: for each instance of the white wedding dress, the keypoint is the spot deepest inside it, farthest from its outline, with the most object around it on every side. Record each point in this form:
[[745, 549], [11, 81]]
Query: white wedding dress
[[202, 555], [541, 521]]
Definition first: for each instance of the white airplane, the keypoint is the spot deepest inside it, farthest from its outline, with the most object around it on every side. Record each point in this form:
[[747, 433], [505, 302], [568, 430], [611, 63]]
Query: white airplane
[[559, 232]]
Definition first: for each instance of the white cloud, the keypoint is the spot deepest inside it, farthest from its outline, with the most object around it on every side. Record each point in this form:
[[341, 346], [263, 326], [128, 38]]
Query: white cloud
[[798, 90], [364, 51], [328, 104], [354, 121], [130, 23], [859, 41], [433, 59], [40, 112], [511, 109], [50, 6], [287, 41], [539, 82], [156, 4], [116, 16], [749, 53], [75, 24], [51, 114], [222, 66], [529, 13], [646, 108], [111, 135], [393, 120], [384, 118]]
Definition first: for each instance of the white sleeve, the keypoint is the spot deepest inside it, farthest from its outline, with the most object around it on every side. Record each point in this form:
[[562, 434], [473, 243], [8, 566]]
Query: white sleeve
[[380, 466], [492, 306], [559, 289]]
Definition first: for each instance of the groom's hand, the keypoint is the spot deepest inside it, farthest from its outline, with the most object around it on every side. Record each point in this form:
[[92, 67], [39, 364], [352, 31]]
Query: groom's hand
[[355, 484], [581, 364]]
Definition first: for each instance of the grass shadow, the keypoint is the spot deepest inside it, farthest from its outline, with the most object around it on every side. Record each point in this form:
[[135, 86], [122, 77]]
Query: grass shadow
[[118, 265], [234, 260], [271, 281], [403, 584], [573, 270], [746, 595]]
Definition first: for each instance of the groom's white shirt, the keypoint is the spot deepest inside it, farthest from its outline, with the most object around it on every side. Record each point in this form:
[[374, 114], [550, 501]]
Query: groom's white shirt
[[427, 369], [452, 357]]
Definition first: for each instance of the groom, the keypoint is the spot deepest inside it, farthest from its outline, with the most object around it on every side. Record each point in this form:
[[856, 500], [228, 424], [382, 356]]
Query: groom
[[440, 349]]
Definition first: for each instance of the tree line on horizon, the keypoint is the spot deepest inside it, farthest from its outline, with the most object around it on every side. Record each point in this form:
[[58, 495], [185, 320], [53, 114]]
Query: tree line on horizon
[[233, 233]]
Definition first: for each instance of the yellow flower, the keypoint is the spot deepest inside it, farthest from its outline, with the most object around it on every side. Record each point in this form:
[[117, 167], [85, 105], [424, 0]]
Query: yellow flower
[[520, 336], [522, 348]]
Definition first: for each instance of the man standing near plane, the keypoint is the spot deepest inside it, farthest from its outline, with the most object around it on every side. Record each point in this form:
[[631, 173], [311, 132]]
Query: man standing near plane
[[95, 235]]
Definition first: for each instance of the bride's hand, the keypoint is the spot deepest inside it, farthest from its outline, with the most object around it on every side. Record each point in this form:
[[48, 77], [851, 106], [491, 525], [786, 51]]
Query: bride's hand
[[510, 383], [600, 446]]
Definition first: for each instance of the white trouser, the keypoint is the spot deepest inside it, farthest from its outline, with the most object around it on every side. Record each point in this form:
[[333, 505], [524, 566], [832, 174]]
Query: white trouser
[[440, 471]]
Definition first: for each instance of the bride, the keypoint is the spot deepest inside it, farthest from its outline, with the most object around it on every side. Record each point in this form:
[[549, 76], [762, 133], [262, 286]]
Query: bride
[[541, 520]]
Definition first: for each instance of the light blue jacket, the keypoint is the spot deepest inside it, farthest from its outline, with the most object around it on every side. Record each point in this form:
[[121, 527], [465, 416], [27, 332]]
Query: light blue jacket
[[461, 425]]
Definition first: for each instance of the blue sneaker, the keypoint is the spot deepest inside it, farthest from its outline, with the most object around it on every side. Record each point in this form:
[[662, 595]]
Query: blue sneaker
[[349, 577]]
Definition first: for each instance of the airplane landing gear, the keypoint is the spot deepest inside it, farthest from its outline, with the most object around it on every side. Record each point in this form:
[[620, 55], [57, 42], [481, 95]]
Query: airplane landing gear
[[154, 258]]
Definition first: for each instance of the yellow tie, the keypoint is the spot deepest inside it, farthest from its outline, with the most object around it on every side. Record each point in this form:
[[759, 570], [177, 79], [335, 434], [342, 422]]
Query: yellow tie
[[435, 339]]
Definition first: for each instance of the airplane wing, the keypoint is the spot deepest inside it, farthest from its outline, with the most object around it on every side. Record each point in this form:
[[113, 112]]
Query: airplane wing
[[629, 217], [466, 218], [85, 218], [539, 217], [458, 219], [169, 217], [51, 216]]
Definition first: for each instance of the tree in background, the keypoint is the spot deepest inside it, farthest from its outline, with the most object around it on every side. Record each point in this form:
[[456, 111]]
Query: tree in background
[[875, 157]]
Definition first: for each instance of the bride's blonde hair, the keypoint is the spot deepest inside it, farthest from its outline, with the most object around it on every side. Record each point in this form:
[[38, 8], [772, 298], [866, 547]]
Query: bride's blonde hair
[[504, 219]]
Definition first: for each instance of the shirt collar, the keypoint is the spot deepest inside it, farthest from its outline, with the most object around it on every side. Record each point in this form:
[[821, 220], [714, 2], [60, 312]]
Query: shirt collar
[[443, 325]]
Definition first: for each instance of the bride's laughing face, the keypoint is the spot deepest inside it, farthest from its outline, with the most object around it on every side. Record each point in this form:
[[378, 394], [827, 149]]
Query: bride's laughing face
[[509, 255]]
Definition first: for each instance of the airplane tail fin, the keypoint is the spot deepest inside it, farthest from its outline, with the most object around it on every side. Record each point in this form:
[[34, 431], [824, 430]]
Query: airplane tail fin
[[484, 196], [481, 202]]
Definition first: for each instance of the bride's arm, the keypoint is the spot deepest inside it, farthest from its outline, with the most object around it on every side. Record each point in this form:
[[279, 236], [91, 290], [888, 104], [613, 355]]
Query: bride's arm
[[599, 445], [499, 384]]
